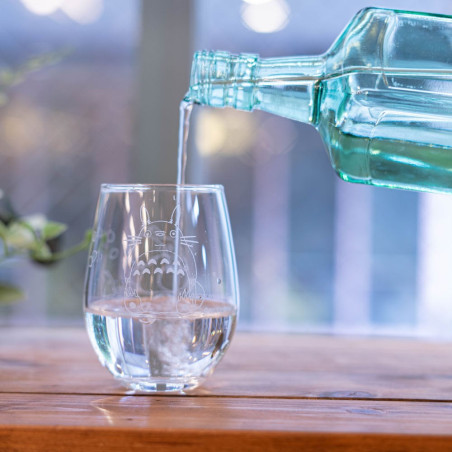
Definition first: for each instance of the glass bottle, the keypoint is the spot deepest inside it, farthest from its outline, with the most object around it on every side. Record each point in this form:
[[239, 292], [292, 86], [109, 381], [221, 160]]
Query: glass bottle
[[381, 96]]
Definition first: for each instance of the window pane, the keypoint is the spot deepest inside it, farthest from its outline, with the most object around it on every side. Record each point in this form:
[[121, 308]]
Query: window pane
[[65, 127]]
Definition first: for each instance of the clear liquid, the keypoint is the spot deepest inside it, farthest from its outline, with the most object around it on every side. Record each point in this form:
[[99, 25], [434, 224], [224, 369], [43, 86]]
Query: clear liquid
[[165, 352], [185, 109], [389, 128]]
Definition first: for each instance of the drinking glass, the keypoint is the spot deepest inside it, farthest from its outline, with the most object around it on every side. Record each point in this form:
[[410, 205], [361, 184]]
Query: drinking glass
[[161, 293]]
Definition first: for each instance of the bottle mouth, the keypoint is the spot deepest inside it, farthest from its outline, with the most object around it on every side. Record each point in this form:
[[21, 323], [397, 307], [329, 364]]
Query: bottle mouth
[[222, 79]]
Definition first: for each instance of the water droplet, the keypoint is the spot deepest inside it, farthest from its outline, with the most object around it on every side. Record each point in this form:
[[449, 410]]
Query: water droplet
[[218, 281]]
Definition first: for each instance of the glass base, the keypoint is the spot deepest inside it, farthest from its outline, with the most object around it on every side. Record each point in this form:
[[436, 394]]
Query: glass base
[[161, 385]]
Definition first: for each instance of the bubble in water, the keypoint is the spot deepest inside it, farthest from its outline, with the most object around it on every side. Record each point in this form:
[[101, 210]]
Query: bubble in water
[[218, 281]]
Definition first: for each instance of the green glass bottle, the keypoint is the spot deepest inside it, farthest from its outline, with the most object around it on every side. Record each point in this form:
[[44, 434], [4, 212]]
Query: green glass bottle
[[381, 96]]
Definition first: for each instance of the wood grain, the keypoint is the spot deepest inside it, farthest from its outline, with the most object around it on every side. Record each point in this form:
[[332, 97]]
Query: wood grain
[[65, 439], [224, 413], [57, 422], [274, 365], [271, 392]]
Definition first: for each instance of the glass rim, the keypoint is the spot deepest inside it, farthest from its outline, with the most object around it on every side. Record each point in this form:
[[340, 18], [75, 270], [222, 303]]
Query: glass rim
[[175, 187]]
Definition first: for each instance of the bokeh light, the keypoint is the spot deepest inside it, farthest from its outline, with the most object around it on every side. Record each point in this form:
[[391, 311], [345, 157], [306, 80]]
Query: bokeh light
[[227, 132], [81, 11], [265, 16]]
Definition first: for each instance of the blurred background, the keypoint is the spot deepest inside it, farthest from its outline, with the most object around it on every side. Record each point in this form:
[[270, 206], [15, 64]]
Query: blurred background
[[89, 93]]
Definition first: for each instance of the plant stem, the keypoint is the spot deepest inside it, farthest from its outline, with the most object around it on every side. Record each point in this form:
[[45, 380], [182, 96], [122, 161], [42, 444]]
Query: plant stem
[[70, 251]]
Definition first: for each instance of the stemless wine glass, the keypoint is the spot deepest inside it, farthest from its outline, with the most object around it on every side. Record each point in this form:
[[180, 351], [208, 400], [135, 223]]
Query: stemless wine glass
[[161, 296]]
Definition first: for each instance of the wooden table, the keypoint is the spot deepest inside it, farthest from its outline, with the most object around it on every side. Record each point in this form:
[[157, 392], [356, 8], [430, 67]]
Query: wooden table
[[271, 392]]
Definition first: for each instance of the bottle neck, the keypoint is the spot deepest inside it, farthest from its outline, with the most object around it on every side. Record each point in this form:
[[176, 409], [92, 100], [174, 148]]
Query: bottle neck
[[283, 86]]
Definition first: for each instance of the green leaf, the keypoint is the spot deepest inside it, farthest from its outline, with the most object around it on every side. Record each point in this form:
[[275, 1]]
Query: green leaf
[[7, 212], [41, 252], [20, 236], [3, 229], [52, 229], [9, 293]]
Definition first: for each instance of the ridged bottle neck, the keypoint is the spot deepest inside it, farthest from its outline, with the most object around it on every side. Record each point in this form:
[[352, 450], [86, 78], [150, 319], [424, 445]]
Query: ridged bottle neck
[[283, 86], [220, 79]]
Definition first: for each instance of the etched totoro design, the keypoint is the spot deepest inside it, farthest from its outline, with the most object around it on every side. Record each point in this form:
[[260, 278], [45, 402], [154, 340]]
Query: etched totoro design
[[162, 276]]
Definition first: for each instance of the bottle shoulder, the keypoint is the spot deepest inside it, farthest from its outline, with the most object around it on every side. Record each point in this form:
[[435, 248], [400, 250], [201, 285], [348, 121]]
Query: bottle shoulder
[[387, 38]]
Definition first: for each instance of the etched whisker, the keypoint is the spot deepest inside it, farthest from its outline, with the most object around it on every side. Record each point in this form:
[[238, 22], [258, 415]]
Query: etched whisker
[[133, 240]]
